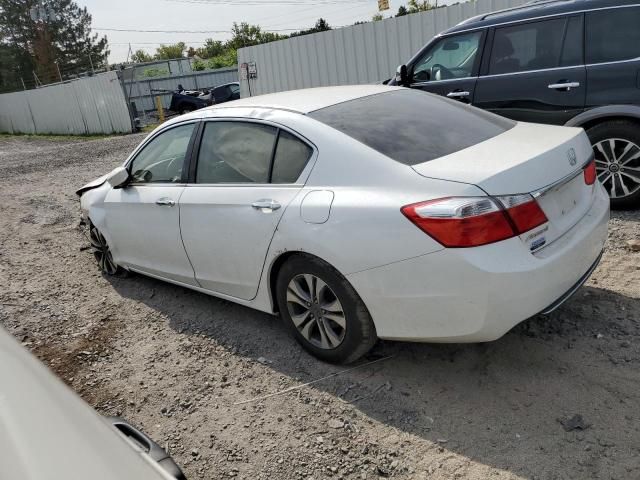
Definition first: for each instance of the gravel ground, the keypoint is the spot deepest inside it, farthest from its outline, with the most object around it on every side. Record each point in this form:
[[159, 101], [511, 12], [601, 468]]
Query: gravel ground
[[179, 363]]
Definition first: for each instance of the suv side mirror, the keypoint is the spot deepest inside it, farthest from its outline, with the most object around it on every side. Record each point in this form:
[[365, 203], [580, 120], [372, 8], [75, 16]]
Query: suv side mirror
[[402, 78], [119, 177]]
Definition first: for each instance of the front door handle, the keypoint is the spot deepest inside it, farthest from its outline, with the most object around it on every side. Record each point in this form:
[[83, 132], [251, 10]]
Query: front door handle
[[457, 94], [165, 202], [564, 86], [266, 204]]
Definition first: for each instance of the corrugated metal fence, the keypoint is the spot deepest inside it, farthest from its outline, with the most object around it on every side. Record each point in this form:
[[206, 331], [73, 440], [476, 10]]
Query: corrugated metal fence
[[142, 92], [92, 105], [360, 54]]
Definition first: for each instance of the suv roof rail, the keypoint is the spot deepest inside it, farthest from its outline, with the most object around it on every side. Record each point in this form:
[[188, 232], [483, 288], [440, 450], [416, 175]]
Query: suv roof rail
[[532, 3]]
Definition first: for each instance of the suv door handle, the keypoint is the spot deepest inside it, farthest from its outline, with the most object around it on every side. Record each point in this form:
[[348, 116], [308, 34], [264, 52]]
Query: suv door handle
[[457, 94], [566, 85], [165, 202], [267, 204]]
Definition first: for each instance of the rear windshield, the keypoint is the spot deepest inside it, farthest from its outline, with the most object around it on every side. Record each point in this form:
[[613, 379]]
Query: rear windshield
[[412, 126]]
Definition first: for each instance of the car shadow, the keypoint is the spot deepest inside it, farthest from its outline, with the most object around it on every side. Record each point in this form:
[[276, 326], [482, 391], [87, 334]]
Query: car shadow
[[498, 403]]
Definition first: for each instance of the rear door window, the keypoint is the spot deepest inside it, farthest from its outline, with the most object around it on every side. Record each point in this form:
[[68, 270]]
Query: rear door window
[[412, 126], [235, 152], [536, 46], [613, 35]]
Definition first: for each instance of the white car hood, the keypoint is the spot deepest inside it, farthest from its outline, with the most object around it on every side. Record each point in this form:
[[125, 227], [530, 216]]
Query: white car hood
[[47, 432], [523, 159]]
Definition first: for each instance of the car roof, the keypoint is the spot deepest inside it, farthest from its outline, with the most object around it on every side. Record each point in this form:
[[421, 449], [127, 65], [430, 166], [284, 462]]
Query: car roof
[[535, 9], [227, 84], [306, 100]]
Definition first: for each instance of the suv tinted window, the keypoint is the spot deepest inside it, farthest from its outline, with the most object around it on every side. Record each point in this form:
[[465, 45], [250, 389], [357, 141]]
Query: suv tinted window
[[528, 46], [451, 57], [161, 160], [613, 35], [573, 43], [235, 152], [291, 157], [411, 126]]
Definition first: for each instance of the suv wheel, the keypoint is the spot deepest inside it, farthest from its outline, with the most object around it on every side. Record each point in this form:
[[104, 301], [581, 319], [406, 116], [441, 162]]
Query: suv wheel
[[616, 145], [323, 311]]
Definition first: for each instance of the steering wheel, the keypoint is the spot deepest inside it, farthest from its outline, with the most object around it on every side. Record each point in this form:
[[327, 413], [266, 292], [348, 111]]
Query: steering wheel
[[440, 72]]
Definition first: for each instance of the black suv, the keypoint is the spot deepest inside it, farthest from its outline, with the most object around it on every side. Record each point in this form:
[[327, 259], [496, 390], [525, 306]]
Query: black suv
[[574, 63]]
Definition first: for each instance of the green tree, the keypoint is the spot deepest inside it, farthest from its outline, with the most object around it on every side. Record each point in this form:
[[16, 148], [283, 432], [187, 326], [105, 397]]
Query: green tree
[[168, 52], [377, 17], [416, 6], [321, 25], [245, 35], [64, 37], [140, 56], [211, 48], [198, 66], [228, 58], [402, 11]]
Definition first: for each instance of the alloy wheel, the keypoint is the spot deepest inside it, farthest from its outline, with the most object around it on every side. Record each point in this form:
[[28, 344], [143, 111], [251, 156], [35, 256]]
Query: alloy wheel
[[101, 252], [618, 166], [316, 311]]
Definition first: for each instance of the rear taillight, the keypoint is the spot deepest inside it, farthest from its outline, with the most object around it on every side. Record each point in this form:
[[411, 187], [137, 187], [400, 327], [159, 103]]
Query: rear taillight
[[459, 222], [590, 173], [524, 211]]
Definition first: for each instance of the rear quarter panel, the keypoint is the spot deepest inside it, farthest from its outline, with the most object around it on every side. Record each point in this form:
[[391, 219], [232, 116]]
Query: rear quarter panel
[[365, 228]]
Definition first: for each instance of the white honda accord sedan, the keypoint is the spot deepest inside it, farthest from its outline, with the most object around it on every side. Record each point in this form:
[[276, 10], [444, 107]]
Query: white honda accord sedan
[[358, 213]]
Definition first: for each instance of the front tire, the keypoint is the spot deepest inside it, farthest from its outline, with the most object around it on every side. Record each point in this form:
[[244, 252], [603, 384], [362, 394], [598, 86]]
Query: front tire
[[102, 253], [323, 311], [616, 146]]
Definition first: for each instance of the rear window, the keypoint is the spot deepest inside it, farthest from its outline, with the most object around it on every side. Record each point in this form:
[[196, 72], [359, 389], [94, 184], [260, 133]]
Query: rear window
[[412, 127], [613, 35]]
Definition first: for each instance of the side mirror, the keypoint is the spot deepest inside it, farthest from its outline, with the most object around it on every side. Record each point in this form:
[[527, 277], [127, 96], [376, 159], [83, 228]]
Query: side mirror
[[402, 78], [119, 177]]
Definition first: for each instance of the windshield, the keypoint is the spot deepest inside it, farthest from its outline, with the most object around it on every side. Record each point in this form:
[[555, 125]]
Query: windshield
[[412, 126]]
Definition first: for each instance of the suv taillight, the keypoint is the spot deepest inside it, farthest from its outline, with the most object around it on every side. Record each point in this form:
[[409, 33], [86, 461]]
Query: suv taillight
[[590, 173], [459, 222]]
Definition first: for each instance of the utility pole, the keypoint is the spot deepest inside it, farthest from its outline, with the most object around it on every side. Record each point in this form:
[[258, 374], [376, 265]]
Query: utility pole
[[91, 63], [24, 87]]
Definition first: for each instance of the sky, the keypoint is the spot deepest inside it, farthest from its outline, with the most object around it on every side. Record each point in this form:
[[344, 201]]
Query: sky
[[283, 16]]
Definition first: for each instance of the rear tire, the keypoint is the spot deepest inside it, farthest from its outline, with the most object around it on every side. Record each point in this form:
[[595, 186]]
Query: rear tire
[[323, 311], [615, 143]]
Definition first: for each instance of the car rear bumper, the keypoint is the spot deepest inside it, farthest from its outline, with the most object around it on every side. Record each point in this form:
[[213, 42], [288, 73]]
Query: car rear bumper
[[479, 294]]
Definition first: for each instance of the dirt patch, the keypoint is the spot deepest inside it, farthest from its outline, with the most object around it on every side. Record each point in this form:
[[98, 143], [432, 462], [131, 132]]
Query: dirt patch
[[180, 364]]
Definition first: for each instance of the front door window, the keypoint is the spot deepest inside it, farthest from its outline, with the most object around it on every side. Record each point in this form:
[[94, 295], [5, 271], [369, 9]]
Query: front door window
[[450, 58]]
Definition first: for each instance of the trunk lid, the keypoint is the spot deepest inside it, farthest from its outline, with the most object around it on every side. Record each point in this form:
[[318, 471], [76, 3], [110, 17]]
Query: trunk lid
[[543, 160]]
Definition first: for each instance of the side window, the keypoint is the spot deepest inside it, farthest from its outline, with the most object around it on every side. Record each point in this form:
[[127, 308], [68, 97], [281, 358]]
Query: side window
[[613, 35], [573, 43], [162, 159], [234, 88], [451, 57], [291, 157], [529, 46], [235, 152]]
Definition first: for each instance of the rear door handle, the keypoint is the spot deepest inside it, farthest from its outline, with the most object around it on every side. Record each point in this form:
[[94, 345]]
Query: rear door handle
[[165, 202], [566, 85], [266, 204], [457, 94]]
